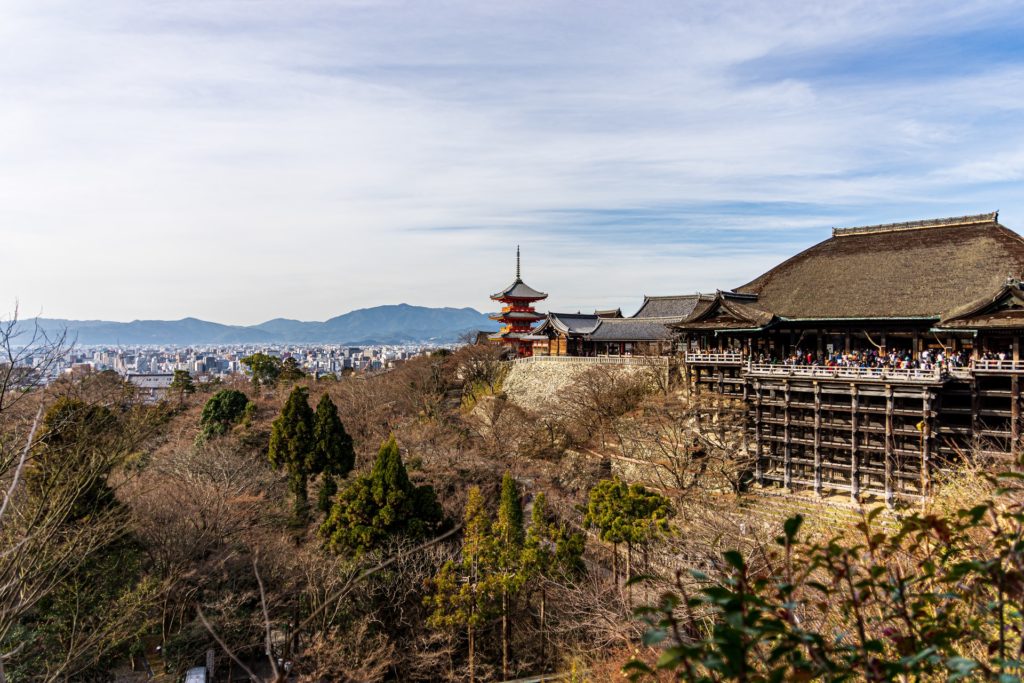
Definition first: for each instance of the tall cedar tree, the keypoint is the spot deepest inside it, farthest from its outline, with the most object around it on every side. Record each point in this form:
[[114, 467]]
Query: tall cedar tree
[[626, 514], [467, 592], [509, 534], [333, 453], [550, 551], [381, 504], [291, 447]]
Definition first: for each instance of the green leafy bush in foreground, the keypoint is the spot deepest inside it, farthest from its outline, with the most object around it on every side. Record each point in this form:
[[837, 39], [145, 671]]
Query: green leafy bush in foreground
[[933, 597]]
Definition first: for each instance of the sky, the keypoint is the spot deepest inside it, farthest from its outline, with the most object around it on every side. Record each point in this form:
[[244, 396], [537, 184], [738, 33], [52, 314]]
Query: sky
[[239, 161]]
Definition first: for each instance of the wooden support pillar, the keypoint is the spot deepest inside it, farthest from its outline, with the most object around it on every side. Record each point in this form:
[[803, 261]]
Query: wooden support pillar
[[1016, 348], [916, 344], [817, 439], [787, 444], [889, 445], [1014, 413], [821, 342], [721, 381], [846, 342], [926, 442], [885, 347], [854, 464], [975, 408], [758, 465]]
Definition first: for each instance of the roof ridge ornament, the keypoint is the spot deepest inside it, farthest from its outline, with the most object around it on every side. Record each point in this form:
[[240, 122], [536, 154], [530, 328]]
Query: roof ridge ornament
[[978, 219]]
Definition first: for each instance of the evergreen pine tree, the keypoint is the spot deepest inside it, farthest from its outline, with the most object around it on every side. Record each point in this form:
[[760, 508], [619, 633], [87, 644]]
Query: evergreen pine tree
[[291, 447], [626, 514], [550, 551], [509, 534], [466, 592], [333, 454], [222, 411], [182, 382], [380, 504]]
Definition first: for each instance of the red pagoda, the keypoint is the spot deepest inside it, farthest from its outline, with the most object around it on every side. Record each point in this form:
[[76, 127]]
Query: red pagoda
[[518, 315]]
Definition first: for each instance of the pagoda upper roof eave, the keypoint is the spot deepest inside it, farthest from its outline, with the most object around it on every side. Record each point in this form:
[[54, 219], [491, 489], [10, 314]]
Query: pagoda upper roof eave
[[519, 291]]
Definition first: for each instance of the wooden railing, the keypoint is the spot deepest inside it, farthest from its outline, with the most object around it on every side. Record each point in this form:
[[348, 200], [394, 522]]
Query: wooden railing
[[844, 372], [984, 365], [723, 358]]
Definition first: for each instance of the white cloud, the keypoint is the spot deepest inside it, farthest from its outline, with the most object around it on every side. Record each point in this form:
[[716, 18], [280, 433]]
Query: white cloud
[[242, 161]]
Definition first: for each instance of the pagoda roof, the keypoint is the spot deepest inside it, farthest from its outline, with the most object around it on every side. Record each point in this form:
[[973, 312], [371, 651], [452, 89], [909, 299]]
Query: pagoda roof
[[915, 270], [521, 336], [519, 290], [517, 315]]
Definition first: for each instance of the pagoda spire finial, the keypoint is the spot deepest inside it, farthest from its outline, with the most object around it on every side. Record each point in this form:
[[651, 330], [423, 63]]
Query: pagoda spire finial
[[517, 262]]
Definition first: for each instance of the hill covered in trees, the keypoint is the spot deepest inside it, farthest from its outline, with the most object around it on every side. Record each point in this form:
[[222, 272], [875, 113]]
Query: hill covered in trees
[[417, 525]]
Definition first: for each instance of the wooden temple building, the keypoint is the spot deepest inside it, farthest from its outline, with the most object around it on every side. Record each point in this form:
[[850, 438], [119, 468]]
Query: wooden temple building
[[875, 358], [867, 363]]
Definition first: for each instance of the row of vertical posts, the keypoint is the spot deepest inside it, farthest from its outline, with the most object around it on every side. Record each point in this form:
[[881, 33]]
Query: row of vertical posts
[[889, 450]]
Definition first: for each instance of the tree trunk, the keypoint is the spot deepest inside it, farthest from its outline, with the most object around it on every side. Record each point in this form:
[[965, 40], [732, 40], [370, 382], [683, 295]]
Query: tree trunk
[[629, 574], [471, 653], [615, 562], [505, 634], [543, 629]]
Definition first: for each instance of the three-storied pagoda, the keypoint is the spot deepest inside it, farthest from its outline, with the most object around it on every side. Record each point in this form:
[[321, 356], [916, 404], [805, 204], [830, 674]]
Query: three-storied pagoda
[[518, 315]]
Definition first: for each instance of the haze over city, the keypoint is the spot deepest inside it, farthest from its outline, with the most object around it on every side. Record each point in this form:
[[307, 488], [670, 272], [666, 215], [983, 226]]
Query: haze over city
[[243, 161]]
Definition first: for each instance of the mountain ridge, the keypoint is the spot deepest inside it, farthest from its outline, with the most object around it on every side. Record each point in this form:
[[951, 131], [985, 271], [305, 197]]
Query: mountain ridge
[[386, 324]]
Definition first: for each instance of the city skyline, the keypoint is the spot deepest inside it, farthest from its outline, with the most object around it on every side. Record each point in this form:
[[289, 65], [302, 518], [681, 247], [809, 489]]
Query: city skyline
[[243, 162]]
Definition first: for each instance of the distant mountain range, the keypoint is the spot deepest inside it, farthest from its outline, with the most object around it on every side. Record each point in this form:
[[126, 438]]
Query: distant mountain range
[[395, 324]]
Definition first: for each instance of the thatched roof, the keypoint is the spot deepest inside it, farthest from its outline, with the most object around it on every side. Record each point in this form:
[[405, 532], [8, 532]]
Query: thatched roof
[[1003, 308], [900, 270]]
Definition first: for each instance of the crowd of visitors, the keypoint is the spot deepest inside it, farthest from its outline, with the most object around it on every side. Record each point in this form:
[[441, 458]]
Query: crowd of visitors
[[892, 359]]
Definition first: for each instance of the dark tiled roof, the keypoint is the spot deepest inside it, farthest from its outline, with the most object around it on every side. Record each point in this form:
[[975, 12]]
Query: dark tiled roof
[[519, 290], [609, 313], [679, 306], [899, 270], [571, 323], [633, 329]]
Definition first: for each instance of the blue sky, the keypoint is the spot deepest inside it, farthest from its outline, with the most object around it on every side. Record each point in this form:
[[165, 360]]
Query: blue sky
[[245, 160]]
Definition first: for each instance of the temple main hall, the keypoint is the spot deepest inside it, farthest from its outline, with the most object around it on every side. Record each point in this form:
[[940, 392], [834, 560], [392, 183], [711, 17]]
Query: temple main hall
[[866, 364]]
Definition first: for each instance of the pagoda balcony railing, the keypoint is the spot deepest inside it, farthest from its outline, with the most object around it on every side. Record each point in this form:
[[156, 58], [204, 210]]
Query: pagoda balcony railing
[[984, 366], [844, 372], [714, 358]]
